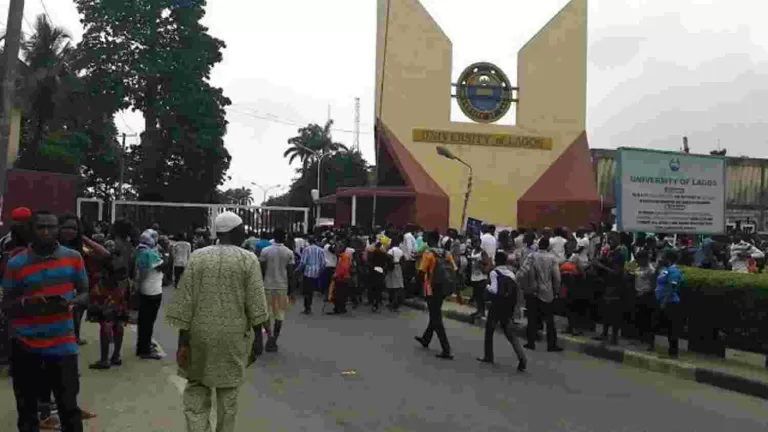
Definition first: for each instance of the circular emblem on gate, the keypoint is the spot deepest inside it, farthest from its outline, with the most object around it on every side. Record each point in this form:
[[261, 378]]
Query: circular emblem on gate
[[484, 93]]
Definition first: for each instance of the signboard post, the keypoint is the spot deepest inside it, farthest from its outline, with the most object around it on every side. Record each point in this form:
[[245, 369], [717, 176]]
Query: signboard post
[[670, 192]]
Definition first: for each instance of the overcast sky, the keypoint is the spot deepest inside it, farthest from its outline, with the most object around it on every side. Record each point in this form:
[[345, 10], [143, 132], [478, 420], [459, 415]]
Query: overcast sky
[[658, 69]]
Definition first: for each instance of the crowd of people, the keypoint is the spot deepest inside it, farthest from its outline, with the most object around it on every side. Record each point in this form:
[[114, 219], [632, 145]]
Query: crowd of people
[[55, 271]]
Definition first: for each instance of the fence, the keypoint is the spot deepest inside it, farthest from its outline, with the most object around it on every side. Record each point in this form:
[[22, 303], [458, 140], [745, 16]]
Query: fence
[[90, 209], [187, 217]]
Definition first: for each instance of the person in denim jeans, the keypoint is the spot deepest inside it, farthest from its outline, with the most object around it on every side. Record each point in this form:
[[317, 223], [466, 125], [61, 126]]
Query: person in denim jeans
[[668, 295]]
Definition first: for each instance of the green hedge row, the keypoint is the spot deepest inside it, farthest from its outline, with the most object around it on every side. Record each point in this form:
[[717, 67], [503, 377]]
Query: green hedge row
[[726, 309], [721, 281]]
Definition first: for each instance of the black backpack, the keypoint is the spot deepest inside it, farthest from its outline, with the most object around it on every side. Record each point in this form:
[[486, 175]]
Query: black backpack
[[507, 287], [443, 277]]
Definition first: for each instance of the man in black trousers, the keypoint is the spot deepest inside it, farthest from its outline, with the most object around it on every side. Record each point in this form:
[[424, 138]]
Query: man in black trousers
[[435, 289]]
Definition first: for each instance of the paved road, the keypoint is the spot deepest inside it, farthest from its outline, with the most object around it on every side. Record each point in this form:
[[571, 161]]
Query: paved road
[[401, 387]]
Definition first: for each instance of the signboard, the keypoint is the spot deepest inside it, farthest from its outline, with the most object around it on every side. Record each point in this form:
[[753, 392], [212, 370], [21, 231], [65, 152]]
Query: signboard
[[670, 192], [490, 140], [473, 227]]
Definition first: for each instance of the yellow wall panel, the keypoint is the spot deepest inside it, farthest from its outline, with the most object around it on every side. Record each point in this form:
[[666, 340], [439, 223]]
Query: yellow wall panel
[[417, 74]]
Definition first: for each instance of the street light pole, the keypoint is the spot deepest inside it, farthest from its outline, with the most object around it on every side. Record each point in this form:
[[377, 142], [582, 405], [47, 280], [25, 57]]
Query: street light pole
[[466, 197], [444, 152], [265, 190], [319, 157]]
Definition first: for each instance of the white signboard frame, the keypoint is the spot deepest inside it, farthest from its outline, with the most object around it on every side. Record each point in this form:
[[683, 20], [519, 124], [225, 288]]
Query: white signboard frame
[[670, 192]]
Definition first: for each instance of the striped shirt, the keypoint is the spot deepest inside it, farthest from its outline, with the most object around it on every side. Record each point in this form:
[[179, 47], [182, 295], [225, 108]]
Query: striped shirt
[[313, 261], [44, 328]]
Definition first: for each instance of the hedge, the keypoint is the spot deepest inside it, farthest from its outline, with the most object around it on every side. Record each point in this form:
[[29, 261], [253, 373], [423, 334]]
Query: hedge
[[725, 309]]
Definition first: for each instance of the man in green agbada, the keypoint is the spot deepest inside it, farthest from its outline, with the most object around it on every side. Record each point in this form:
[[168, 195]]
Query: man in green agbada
[[218, 305]]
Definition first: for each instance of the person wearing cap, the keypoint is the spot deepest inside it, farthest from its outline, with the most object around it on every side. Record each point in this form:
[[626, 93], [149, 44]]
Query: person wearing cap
[[11, 244], [218, 307], [149, 280]]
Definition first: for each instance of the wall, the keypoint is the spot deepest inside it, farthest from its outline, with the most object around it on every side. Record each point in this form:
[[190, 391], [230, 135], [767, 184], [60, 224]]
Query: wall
[[39, 190], [417, 75]]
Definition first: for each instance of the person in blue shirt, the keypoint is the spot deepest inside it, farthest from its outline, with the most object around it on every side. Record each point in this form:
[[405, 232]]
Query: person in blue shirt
[[668, 284], [265, 241]]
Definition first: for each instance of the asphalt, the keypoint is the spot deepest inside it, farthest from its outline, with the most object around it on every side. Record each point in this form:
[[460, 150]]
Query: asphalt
[[397, 386]]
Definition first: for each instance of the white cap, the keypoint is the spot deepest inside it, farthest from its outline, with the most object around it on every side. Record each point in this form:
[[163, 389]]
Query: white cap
[[227, 221]]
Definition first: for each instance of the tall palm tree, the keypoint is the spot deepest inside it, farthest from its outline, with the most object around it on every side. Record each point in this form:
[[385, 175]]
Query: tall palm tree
[[47, 53], [242, 196], [313, 137]]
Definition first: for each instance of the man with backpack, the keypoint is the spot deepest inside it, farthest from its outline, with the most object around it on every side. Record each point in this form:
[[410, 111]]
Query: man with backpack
[[438, 272], [503, 288]]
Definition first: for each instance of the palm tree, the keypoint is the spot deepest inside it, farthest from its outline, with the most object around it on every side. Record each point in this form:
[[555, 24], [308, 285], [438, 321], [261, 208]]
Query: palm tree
[[242, 196], [239, 196], [47, 53], [313, 137]]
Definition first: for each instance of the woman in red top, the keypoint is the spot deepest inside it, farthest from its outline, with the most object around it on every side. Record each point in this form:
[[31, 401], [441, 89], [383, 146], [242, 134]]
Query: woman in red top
[[110, 295], [342, 279]]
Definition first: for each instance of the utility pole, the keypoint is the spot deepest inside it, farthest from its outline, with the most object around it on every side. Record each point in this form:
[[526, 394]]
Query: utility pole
[[12, 43], [380, 111], [122, 164], [356, 145]]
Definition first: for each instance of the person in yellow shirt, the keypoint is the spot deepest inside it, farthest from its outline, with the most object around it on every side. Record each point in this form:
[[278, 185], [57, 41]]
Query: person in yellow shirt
[[436, 288]]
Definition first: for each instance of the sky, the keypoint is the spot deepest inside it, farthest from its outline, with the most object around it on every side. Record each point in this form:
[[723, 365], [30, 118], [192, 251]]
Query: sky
[[658, 70]]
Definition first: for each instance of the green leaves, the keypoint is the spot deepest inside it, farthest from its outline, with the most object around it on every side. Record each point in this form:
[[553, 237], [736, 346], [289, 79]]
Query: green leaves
[[157, 58]]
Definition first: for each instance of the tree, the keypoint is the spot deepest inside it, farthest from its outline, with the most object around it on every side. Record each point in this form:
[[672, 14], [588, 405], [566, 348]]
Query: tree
[[239, 196], [48, 55], [311, 137], [346, 168], [156, 57]]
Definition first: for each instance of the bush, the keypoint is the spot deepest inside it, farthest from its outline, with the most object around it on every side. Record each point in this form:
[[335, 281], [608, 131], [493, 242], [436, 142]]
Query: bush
[[726, 306]]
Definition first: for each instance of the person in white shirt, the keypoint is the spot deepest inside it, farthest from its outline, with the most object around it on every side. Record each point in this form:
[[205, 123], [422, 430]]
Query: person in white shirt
[[298, 245], [149, 278], [410, 250], [180, 252], [519, 243], [478, 260], [557, 245], [741, 252], [331, 260], [503, 290], [488, 240], [277, 262], [394, 278]]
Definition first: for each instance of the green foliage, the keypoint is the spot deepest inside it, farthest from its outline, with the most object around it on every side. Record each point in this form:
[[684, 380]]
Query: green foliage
[[732, 305], [345, 168], [155, 56], [719, 282], [240, 196], [48, 56], [63, 152], [311, 137]]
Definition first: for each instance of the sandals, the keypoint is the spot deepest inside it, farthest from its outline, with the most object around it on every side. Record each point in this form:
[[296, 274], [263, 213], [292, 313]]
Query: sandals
[[51, 423], [99, 365]]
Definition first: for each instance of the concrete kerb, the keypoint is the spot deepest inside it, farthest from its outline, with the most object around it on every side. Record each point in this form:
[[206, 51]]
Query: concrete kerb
[[632, 358]]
